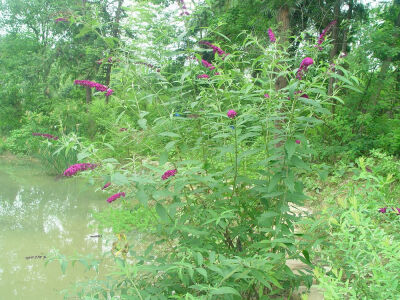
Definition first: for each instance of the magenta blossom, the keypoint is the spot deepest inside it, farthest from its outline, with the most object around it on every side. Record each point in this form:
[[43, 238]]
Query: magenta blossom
[[305, 63], [115, 197], [61, 20], [106, 185], [266, 95], [298, 141], [203, 76], [109, 92], [325, 31], [215, 48], [72, 170], [217, 73], [271, 35], [169, 173], [383, 210], [46, 135], [304, 95], [231, 114], [207, 64]]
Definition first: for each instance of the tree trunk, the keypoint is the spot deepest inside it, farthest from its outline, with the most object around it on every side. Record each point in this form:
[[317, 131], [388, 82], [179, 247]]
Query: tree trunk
[[283, 31], [88, 96], [335, 49], [115, 34]]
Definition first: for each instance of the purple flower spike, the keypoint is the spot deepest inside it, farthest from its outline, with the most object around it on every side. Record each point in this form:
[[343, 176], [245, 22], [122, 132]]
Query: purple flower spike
[[325, 31], [169, 173], [203, 76], [231, 114], [207, 64], [305, 63], [215, 48], [106, 185], [271, 35], [46, 135], [383, 210], [61, 20], [115, 197], [109, 92], [72, 170], [266, 95]]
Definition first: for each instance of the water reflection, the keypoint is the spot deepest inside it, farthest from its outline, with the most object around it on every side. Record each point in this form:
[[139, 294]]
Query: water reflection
[[37, 214]]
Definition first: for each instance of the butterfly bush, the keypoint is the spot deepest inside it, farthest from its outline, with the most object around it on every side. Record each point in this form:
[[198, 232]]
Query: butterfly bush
[[61, 20], [203, 76], [46, 135], [207, 64], [271, 36], [325, 31], [106, 185], [168, 174], [72, 170], [215, 48], [305, 63], [115, 197], [231, 114], [99, 87]]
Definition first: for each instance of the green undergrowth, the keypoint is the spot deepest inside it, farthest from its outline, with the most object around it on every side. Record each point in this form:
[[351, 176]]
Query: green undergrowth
[[359, 259]]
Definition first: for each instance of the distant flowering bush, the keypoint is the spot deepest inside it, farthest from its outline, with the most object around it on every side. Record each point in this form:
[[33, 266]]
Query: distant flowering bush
[[231, 114], [72, 170], [215, 48], [305, 63], [304, 95], [61, 20], [115, 197], [151, 66], [266, 95], [169, 173], [99, 87], [203, 76], [383, 210], [106, 185], [123, 129], [325, 31], [271, 35], [207, 64], [48, 136]]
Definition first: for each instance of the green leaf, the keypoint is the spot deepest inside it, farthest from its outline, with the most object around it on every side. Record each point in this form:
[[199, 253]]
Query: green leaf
[[297, 162], [169, 134], [223, 290], [119, 179], [142, 123], [202, 272], [142, 197], [290, 147], [63, 264], [163, 158], [273, 182], [162, 212]]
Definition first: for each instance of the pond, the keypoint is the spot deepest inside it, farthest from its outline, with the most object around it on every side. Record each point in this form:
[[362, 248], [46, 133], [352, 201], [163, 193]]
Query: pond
[[39, 213]]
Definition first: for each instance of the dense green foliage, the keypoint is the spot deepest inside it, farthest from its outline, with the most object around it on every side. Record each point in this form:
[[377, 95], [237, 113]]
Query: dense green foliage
[[223, 226]]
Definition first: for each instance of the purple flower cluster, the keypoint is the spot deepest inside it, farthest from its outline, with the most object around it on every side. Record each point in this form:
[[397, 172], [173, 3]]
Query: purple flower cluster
[[203, 76], [147, 65], [305, 63], [298, 141], [99, 87], [61, 20], [271, 35], [325, 31], [106, 185], [115, 197], [169, 173], [384, 209], [215, 48], [231, 114], [207, 64], [183, 7], [266, 95], [49, 136], [72, 170], [109, 92], [304, 95]]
